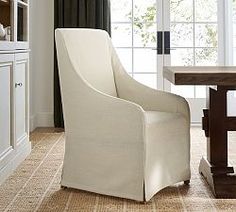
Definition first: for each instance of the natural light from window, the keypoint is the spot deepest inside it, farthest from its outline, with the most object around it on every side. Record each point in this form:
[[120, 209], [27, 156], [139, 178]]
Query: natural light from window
[[194, 38]]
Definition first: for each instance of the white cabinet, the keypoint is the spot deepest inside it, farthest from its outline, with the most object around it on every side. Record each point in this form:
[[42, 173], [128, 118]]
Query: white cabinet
[[14, 111], [6, 68], [14, 85], [14, 16], [21, 89]]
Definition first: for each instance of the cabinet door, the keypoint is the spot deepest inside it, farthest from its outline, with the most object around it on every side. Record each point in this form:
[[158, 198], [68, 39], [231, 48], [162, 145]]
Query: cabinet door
[[21, 94], [6, 68]]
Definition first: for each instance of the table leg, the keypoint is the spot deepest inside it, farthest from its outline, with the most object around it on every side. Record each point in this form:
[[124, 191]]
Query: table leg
[[215, 167]]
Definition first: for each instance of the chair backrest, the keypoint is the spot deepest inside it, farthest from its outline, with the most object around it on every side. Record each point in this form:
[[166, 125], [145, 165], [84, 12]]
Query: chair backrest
[[89, 50]]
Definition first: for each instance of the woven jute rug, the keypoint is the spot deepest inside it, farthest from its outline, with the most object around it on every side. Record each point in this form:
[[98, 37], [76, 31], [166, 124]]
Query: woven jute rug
[[35, 185]]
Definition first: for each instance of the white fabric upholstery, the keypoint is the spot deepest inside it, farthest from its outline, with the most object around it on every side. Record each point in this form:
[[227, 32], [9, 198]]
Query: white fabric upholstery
[[93, 54], [122, 138]]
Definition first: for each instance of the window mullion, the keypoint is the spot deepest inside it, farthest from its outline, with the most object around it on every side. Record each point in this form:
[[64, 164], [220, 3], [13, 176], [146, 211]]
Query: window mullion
[[194, 42], [227, 41], [132, 29]]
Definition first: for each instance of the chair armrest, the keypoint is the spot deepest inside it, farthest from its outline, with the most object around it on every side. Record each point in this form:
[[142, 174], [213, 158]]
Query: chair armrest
[[101, 117], [150, 99], [91, 114]]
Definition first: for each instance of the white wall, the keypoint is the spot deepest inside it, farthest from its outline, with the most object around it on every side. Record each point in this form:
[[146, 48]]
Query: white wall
[[41, 65]]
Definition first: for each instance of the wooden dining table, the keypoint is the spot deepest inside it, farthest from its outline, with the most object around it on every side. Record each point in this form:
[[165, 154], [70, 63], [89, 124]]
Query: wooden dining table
[[215, 168]]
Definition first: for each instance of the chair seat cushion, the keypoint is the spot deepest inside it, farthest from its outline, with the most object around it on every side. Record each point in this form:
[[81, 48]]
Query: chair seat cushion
[[155, 117], [166, 127]]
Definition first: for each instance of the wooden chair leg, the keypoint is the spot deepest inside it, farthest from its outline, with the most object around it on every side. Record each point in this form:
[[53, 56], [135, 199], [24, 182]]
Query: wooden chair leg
[[186, 182]]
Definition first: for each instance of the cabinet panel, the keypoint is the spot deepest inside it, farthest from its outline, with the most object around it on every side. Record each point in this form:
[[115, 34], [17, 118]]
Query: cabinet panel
[[21, 107], [14, 85], [5, 104], [14, 107]]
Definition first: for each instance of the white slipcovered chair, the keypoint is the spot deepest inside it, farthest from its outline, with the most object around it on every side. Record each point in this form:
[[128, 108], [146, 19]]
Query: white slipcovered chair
[[123, 138]]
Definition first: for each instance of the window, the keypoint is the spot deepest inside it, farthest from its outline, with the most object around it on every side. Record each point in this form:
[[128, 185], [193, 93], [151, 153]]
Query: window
[[134, 29], [194, 38]]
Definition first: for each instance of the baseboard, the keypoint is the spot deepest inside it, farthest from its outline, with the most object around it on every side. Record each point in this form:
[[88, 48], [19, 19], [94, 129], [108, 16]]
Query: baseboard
[[44, 120], [32, 126], [196, 124], [20, 156], [41, 120]]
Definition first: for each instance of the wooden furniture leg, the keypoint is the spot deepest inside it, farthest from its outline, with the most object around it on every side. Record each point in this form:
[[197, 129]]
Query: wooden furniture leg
[[216, 124], [186, 182]]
